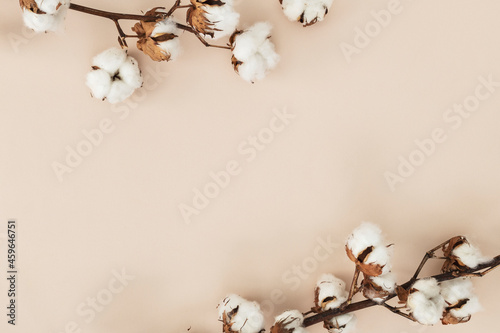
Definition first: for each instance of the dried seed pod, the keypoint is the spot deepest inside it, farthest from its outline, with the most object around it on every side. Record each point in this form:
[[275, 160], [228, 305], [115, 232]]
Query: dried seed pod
[[460, 300], [461, 255], [44, 15], [330, 293], [253, 54], [159, 38], [212, 18], [239, 315], [366, 249]]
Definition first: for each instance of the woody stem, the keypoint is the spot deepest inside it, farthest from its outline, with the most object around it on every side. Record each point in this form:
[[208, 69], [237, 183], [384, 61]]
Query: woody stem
[[109, 15]]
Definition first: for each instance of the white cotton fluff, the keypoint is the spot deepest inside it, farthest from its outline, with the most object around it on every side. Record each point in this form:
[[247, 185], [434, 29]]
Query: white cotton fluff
[[116, 76], [51, 6], [456, 290], [224, 19], [370, 235], [294, 320], [345, 323], [386, 281], [469, 255], [44, 22], [100, 83], [247, 319], [309, 10], [364, 236], [331, 286], [256, 52], [172, 46], [426, 304]]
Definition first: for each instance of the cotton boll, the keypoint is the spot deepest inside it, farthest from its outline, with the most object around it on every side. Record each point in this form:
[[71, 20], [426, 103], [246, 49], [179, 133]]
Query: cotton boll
[[426, 304], [293, 318], [330, 292], [289, 322], [469, 255], [364, 236], [224, 19], [229, 303], [130, 73], [110, 60], [172, 46], [248, 318], [52, 20], [460, 290], [99, 83], [39, 22], [306, 12], [123, 76], [254, 53], [241, 315]]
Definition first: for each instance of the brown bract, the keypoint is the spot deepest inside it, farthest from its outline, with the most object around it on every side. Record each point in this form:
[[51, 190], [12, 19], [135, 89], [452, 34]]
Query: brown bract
[[148, 43], [369, 269], [31, 6], [226, 320], [452, 262], [196, 16], [449, 318], [236, 63]]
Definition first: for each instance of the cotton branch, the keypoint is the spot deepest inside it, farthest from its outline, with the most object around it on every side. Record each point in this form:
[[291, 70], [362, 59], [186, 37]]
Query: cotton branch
[[115, 17], [479, 271]]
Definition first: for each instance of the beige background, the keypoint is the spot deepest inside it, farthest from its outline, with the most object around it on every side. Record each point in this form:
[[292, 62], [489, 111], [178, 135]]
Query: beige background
[[317, 180]]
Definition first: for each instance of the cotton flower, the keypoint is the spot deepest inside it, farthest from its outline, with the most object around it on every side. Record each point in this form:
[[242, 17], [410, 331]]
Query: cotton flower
[[114, 76], [425, 301], [306, 12], [213, 18], [378, 288], [159, 39], [461, 255], [253, 52], [345, 323], [239, 315], [289, 322], [461, 302], [44, 15], [330, 293], [365, 247]]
